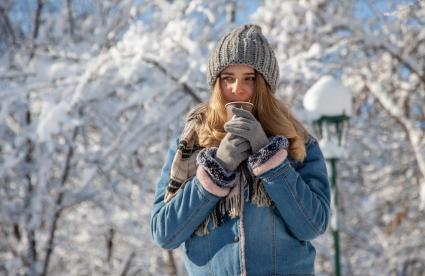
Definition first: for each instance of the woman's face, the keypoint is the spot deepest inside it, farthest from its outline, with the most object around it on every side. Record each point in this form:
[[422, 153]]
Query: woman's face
[[237, 83]]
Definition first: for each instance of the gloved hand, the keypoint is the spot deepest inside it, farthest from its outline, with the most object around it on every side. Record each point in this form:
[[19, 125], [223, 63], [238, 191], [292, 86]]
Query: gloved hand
[[232, 151], [246, 125]]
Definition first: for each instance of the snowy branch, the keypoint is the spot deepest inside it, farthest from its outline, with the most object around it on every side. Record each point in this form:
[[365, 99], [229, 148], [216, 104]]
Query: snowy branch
[[192, 92], [415, 135]]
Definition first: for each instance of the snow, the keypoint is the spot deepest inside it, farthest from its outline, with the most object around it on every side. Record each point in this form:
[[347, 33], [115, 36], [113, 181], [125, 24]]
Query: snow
[[422, 196], [328, 97], [53, 118], [114, 94], [331, 149]]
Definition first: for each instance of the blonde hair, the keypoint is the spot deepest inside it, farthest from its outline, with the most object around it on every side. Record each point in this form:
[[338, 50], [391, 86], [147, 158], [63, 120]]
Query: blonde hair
[[274, 116]]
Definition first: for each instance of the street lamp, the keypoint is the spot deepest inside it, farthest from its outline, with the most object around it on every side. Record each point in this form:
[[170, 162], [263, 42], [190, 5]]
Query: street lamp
[[329, 105]]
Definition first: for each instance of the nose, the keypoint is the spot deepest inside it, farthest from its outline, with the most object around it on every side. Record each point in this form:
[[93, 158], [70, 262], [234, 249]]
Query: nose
[[237, 87]]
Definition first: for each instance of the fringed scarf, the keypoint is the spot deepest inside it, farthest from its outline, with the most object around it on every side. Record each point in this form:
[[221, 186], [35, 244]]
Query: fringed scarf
[[184, 168]]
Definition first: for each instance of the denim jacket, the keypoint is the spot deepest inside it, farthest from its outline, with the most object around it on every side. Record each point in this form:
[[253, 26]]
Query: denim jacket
[[277, 238]]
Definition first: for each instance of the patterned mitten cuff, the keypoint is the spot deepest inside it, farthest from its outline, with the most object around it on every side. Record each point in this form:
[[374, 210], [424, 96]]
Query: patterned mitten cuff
[[267, 157], [219, 175], [209, 185]]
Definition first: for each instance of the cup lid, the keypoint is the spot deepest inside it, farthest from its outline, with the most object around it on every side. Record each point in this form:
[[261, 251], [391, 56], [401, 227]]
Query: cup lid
[[238, 102]]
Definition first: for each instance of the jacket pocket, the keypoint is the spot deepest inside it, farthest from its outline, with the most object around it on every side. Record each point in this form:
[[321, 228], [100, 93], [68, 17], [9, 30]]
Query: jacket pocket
[[198, 250]]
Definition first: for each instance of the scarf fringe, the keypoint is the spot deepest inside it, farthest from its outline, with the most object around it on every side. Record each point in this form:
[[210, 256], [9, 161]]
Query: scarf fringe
[[230, 206], [259, 196]]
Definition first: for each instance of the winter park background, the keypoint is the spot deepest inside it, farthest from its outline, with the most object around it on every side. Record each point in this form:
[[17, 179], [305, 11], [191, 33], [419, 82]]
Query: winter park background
[[91, 92]]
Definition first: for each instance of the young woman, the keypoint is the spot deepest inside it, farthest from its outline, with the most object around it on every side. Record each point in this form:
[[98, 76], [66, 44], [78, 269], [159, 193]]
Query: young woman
[[245, 195]]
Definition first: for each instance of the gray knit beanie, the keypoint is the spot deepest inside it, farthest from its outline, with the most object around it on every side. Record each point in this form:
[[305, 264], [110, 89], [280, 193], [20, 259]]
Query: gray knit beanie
[[244, 45]]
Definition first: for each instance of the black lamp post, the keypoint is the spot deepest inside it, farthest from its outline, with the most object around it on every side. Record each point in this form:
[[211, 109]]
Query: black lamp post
[[329, 104]]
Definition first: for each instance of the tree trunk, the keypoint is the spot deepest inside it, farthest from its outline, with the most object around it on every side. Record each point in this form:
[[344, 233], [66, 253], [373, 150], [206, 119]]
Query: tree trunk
[[109, 243], [7, 25], [32, 244], [231, 11], [37, 20], [58, 203], [70, 18], [170, 262]]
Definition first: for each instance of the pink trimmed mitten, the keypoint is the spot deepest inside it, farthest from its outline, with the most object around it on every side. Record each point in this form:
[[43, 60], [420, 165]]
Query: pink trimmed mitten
[[217, 173], [209, 185], [270, 156]]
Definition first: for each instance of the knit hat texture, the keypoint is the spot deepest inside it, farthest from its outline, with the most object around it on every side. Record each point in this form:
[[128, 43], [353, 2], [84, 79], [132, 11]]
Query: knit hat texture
[[244, 45]]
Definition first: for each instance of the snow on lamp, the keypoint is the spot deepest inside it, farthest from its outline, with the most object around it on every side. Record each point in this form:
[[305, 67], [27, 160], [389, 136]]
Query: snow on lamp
[[329, 105]]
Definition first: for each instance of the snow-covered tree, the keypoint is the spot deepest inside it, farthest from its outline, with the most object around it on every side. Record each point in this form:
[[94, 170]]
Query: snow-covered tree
[[91, 92]]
